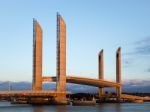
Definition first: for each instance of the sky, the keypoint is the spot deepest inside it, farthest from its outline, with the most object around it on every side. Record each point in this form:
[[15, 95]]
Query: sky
[[92, 25]]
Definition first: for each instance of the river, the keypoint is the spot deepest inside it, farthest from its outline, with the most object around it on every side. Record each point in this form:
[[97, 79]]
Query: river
[[106, 107]]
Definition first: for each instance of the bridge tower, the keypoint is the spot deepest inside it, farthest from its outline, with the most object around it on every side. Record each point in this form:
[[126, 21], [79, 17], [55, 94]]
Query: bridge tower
[[101, 70], [61, 57], [118, 72], [37, 56]]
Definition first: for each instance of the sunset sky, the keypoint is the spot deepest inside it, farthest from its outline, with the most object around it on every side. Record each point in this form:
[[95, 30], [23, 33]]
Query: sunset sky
[[92, 25]]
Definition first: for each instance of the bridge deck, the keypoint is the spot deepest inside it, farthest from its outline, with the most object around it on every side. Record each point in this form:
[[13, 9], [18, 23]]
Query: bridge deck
[[86, 81], [43, 93], [133, 97]]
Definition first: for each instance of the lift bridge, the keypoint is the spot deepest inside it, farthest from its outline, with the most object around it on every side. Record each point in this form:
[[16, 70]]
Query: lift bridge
[[59, 95]]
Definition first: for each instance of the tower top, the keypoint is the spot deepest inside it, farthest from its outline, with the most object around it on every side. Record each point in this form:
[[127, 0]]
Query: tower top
[[119, 49], [101, 52]]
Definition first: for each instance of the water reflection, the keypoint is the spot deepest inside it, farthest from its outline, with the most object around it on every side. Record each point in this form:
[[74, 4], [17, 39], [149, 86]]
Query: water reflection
[[101, 107], [61, 108], [38, 109], [118, 107], [49, 108], [107, 107]]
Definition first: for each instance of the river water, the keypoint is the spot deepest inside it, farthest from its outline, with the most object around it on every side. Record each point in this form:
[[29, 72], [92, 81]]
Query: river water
[[107, 107]]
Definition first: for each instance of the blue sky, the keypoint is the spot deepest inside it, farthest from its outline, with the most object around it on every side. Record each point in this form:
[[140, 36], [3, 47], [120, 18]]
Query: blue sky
[[92, 25]]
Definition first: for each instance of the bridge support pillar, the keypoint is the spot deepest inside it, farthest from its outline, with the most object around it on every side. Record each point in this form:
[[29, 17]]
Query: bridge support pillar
[[37, 56], [118, 72], [61, 59], [60, 99], [101, 70]]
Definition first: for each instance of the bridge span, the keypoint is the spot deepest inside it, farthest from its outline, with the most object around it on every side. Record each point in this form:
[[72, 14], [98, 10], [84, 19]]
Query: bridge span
[[31, 93], [85, 81], [133, 97]]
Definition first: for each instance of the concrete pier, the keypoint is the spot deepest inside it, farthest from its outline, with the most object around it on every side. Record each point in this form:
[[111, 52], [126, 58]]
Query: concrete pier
[[37, 56], [118, 72], [101, 70]]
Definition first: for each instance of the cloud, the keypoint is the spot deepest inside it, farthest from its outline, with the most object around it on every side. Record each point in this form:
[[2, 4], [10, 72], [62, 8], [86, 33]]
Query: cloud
[[136, 82], [142, 47], [143, 50], [136, 86], [148, 70], [143, 41]]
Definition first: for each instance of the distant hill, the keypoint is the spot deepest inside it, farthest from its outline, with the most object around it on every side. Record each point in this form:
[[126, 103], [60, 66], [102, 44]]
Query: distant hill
[[128, 86]]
